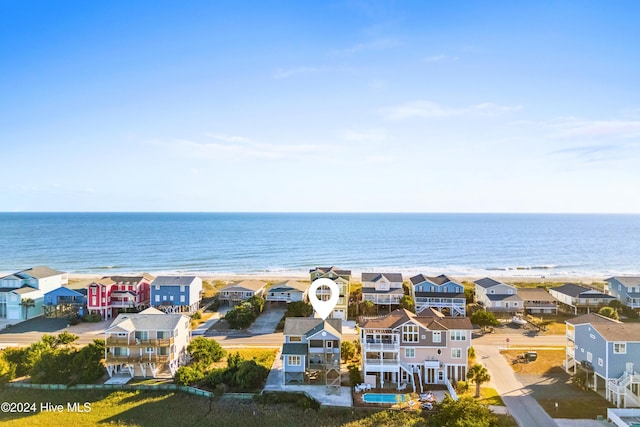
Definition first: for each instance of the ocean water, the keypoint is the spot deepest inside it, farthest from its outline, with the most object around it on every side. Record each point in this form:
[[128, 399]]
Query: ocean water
[[280, 244]]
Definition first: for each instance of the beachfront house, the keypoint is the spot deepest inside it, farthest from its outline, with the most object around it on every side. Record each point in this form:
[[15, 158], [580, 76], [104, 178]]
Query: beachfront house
[[311, 352], [176, 294], [22, 293], [580, 298], [288, 291], [538, 301], [382, 288], [605, 352], [147, 344], [404, 348], [440, 293], [63, 301], [342, 278], [113, 294], [238, 292], [626, 289], [498, 297]]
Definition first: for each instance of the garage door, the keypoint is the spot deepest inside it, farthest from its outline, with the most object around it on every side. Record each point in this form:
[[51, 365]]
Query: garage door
[[338, 314]]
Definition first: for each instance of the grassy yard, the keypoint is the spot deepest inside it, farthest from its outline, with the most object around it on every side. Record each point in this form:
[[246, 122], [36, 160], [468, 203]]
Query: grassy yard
[[488, 395], [178, 409], [262, 356], [547, 360], [203, 318], [589, 407]]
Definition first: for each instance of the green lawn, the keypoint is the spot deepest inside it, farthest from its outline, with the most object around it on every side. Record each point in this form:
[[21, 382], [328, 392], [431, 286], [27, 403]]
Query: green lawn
[[262, 356], [488, 395]]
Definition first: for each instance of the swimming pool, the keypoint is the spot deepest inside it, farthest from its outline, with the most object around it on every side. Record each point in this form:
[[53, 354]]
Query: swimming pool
[[384, 398]]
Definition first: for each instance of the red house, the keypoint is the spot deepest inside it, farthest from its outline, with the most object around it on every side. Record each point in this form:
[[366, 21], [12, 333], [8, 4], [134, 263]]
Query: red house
[[113, 294]]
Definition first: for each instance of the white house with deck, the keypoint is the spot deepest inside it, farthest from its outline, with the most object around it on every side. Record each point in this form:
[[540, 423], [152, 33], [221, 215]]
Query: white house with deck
[[382, 288], [288, 291]]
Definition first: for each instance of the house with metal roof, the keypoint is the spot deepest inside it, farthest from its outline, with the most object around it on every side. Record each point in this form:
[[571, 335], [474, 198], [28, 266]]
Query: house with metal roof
[[287, 291], [580, 298], [440, 292], [340, 277], [606, 352], [147, 344], [382, 288], [238, 292], [113, 294], [626, 289], [176, 294], [22, 293], [498, 297], [311, 352], [405, 348]]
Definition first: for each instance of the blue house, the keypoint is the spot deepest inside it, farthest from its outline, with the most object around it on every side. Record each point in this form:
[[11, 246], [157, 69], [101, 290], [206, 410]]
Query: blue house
[[176, 294], [62, 301], [608, 353], [626, 289], [440, 293]]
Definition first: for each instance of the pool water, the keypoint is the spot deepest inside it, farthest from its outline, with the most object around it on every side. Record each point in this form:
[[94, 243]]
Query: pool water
[[384, 398]]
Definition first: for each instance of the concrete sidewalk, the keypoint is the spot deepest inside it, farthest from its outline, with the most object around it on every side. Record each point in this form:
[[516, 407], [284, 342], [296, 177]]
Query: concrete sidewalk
[[522, 407]]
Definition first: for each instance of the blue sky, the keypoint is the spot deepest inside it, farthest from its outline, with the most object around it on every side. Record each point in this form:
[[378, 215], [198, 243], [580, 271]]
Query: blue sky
[[342, 106]]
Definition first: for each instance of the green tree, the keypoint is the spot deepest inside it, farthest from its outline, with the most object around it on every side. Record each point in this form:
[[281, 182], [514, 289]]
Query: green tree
[[469, 295], [347, 350], [465, 412], [27, 303], [471, 354], [87, 365], [407, 303], [7, 370], [250, 375], [484, 318], [52, 367], [65, 338], [205, 351], [299, 309], [609, 312], [367, 308], [241, 316], [188, 375], [479, 375], [257, 304]]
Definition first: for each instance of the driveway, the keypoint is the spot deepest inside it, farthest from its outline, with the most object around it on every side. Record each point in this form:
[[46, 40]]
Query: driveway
[[521, 405], [268, 320]]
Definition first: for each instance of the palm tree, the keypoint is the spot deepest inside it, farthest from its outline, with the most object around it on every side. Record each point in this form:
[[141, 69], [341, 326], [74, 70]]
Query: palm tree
[[478, 374], [26, 303]]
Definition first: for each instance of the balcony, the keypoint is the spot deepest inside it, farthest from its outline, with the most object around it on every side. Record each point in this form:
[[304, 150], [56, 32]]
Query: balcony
[[441, 302], [146, 358], [382, 299], [382, 362], [133, 342], [382, 346], [571, 351]]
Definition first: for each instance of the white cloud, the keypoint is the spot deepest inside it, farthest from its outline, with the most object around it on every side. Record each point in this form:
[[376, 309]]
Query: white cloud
[[241, 147], [432, 110], [570, 128], [379, 158], [440, 58], [364, 135], [379, 44], [283, 73]]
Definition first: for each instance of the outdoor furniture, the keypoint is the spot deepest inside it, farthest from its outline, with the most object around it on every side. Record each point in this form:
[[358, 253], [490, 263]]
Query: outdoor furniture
[[402, 386], [368, 386]]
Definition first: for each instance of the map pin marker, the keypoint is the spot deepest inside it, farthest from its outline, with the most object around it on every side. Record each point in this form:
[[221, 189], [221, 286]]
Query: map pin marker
[[324, 308]]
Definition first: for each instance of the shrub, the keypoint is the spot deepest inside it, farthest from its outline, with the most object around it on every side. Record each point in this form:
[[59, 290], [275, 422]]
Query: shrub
[[298, 399], [92, 318], [242, 316], [196, 316], [205, 351], [187, 375], [462, 386], [354, 375]]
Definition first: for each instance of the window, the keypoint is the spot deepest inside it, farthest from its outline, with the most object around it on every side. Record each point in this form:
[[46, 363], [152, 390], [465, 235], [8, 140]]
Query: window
[[170, 297], [182, 288], [164, 297], [458, 336], [93, 300], [437, 336], [294, 361], [295, 339], [510, 291], [157, 298], [456, 353], [620, 348], [182, 299], [148, 350], [410, 333], [410, 352], [589, 357], [157, 287], [492, 291], [600, 362]]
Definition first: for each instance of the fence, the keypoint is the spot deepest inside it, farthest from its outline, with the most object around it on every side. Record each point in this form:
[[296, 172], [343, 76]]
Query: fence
[[127, 387], [451, 390]]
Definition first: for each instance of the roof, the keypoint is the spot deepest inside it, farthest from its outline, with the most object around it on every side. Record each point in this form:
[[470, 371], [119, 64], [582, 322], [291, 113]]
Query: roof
[[112, 280], [63, 290], [371, 290], [24, 290], [325, 270], [504, 297], [627, 281], [439, 295], [173, 280], [253, 285], [438, 280], [309, 326], [289, 285], [41, 272], [535, 294], [571, 289], [401, 316], [150, 319], [374, 277], [297, 348], [610, 329], [487, 282]]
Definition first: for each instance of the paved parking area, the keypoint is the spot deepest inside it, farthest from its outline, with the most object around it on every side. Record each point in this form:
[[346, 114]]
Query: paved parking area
[[268, 320]]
